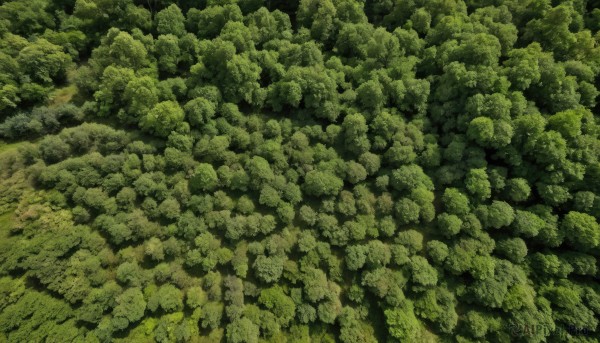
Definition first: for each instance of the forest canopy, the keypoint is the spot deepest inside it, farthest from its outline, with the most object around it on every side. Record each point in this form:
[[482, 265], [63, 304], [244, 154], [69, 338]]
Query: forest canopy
[[299, 171]]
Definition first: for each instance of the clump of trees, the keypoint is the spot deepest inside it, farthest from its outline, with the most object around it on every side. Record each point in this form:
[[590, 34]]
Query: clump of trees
[[312, 170]]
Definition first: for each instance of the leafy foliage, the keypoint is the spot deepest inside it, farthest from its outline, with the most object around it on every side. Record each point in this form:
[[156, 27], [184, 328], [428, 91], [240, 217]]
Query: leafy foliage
[[312, 170]]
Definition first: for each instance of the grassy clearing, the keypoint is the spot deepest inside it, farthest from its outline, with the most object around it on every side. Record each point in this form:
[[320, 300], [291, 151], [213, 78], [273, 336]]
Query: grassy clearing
[[8, 147], [13, 183], [62, 96], [5, 224]]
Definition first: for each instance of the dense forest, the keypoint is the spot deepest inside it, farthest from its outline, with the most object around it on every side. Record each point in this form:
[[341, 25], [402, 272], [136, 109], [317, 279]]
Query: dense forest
[[299, 171]]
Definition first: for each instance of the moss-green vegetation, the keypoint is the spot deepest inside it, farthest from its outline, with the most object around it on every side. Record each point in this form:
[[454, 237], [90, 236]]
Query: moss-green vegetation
[[5, 224], [7, 148]]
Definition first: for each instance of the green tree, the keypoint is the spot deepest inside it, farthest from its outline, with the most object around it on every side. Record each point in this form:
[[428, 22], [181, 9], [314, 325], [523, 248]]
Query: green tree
[[478, 184], [422, 272], [581, 230], [279, 303], [123, 50], [168, 297], [496, 215], [170, 20], [268, 268], [199, 111], [407, 178], [518, 189], [514, 249], [355, 129], [449, 224], [527, 223], [476, 324], [437, 251], [242, 330], [168, 52], [26, 18], [370, 161], [455, 202], [370, 95], [163, 118], [154, 249], [205, 178], [43, 61], [259, 170], [567, 123], [141, 94], [211, 314], [319, 183], [481, 130], [130, 307], [401, 322], [207, 23], [54, 149], [407, 211], [355, 172]]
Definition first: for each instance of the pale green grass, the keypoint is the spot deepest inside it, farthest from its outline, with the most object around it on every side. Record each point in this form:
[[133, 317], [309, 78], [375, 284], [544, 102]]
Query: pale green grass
[[5, 224], [62, 96], [8, 147]]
